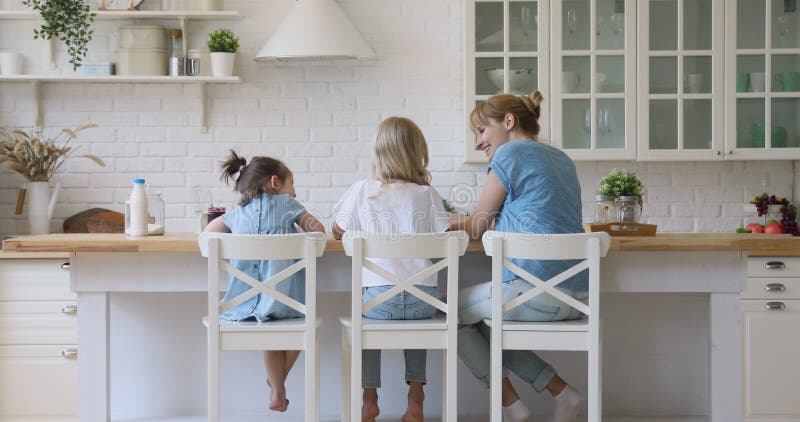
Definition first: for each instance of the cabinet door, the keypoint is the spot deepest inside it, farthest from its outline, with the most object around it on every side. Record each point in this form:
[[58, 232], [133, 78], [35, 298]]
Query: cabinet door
[[681, 79], [763, 84], [38, 383], [771, 345], [505, 51], [594, 93]]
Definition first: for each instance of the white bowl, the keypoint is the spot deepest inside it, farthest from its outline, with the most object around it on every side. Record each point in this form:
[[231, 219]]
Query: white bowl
[[518, 79]]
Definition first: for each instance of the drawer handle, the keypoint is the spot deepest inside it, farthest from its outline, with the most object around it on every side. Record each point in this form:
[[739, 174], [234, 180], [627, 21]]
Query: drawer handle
[[69, 309], [775, 287], [65, 266], [70, 353], [775, 265], [774, 306]]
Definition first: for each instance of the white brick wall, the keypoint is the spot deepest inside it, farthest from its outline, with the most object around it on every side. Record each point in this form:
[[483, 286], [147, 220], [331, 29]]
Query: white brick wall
[[319, 117]]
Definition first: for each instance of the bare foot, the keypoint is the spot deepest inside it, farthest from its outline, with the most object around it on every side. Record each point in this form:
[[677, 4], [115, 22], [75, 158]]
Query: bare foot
[[369, 408], [277, 398], [414, 411]]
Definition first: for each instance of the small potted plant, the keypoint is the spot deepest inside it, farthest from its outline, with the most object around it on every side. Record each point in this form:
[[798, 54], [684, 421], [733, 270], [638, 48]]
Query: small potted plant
[[222, 44], [67, 20], [627, 189], [37, 157]]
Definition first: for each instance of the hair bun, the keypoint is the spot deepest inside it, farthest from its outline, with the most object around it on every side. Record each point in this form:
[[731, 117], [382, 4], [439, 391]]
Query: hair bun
[[532, 102]]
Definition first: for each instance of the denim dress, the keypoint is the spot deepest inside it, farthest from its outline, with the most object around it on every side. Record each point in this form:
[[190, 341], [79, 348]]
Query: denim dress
[[268, 214]]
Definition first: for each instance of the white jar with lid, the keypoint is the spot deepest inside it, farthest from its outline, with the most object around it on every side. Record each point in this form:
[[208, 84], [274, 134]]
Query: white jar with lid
[[204, 58]]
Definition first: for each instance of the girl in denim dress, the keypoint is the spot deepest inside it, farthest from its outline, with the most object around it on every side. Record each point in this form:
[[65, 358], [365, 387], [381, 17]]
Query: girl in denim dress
[[267, 206], [398, 199], [530, 188]]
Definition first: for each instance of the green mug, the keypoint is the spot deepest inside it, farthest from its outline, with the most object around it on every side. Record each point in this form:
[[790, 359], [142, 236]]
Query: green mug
[[789, 81], [742, 82]]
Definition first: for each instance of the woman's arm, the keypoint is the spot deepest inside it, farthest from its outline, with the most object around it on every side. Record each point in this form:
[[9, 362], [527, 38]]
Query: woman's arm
[[218, 226], [489, 203], [338, 232], [309, 223]]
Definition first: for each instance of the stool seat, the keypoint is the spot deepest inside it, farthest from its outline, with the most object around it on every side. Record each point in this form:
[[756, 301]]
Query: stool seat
[[438, 322], [571, 325]]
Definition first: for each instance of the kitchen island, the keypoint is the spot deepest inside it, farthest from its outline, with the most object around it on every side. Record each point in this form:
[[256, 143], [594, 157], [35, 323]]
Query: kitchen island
[[712, 265]]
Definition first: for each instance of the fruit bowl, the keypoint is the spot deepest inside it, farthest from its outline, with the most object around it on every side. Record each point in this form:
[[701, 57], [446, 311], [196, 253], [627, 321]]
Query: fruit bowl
[[517, 78], [771, 209]]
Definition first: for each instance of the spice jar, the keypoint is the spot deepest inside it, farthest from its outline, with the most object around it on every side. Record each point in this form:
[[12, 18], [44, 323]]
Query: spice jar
[[629, 208], [604, 209]]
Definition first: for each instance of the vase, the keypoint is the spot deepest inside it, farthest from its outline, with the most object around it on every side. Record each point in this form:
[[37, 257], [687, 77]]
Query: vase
[[222, 64], [40, 206]]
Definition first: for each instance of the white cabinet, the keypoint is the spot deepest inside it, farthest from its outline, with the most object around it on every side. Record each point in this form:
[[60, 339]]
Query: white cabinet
[[770, 309], [762, 84], [506, 45], [681, 59], [38, 337], [594, 78]]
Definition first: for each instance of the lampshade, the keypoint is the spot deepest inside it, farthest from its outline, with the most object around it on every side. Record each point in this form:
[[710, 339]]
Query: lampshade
[[315, 30]]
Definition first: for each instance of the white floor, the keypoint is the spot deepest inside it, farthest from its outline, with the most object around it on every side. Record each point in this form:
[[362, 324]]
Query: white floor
[[272, 418]]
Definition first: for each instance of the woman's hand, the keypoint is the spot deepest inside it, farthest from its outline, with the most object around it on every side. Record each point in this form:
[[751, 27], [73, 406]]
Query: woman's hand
[[491, 200]]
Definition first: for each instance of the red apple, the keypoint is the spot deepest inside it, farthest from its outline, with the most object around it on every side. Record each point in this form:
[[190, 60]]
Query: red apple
[[773, 228], [755, 228]]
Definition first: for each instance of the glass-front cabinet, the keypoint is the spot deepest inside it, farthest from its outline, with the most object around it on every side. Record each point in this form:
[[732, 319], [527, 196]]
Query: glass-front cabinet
[[593, 78], [763, 82], [506, 51], [681, 98]]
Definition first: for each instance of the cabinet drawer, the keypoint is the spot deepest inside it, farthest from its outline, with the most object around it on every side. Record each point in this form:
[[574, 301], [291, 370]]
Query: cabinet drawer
[[771, 345], [775, 266], [38, 323], [34, 279], [771, 288], [38, 383]]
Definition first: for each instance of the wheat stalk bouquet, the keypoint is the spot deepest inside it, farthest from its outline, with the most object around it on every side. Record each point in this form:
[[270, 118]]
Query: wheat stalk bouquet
[[37, 157]]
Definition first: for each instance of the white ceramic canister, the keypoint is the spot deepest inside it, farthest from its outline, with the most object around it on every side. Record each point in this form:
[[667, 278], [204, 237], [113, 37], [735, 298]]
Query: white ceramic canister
[[204, 57], [152, 62], [205, 5], [142, 37]]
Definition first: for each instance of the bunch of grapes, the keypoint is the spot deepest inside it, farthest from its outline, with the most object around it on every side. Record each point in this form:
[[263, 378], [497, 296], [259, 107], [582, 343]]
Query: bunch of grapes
[[788, 211]]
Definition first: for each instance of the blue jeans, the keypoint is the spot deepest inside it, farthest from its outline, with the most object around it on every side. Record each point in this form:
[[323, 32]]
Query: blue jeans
[[475, 304], [402, 306]]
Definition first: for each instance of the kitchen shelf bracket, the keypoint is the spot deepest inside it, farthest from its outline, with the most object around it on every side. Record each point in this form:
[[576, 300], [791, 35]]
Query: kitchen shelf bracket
[[36, 86], [203, 108]]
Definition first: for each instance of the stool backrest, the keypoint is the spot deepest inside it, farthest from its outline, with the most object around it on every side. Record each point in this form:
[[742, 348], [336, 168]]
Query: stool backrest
[[449, 246], [220, 248], [587, 247]]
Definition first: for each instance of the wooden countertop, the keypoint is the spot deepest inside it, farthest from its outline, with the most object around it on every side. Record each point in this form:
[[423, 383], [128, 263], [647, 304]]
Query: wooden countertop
[[755, 244]]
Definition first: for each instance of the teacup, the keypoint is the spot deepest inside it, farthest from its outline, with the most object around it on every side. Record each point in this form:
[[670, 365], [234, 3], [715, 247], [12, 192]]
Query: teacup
[[742, 81], [757, 82], [788, 80]]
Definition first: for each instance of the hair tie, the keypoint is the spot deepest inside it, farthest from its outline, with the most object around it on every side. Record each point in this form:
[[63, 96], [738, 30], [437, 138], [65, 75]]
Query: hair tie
[[241, 168]]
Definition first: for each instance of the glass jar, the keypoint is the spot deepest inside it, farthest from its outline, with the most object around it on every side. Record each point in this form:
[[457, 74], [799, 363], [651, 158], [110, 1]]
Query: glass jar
[[629, 208], [604, 209]]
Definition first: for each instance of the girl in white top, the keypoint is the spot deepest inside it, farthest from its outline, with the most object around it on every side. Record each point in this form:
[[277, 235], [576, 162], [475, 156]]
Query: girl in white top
[[398, 199]]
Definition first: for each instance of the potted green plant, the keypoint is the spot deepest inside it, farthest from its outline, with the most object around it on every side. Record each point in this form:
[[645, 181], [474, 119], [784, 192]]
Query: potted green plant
[[69, 21], [222, 44], [627, 189]]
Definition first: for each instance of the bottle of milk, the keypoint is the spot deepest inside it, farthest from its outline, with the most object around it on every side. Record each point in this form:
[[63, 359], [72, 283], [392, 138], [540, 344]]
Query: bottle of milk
[[138, 204]]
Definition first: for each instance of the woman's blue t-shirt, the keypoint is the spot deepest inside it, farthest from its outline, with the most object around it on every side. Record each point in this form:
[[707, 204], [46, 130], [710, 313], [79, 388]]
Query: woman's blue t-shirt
[[544, 197], [267, 214]]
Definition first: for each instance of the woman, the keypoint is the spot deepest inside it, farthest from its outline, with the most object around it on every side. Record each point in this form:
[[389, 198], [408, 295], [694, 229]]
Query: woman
[[530, 188]]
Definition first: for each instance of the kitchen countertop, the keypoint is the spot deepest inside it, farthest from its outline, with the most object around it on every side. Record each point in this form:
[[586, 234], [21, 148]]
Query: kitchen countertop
[[754, 244]]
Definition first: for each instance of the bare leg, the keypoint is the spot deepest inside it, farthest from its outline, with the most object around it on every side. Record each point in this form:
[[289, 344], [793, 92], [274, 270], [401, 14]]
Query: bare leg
[[416, 396], [510, 395], [275, 361], [370, 410], [556, 385]]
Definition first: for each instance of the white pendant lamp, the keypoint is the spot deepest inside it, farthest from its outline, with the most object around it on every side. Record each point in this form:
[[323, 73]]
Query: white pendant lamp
[[315, 30]]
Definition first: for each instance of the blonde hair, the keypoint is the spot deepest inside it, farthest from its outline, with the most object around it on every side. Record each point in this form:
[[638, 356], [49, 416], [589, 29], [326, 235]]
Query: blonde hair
[[526, 109], [400, 152]]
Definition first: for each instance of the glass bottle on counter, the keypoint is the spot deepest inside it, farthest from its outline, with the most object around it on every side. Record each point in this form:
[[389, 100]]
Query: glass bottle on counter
[[155, 212], [604, 209]]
